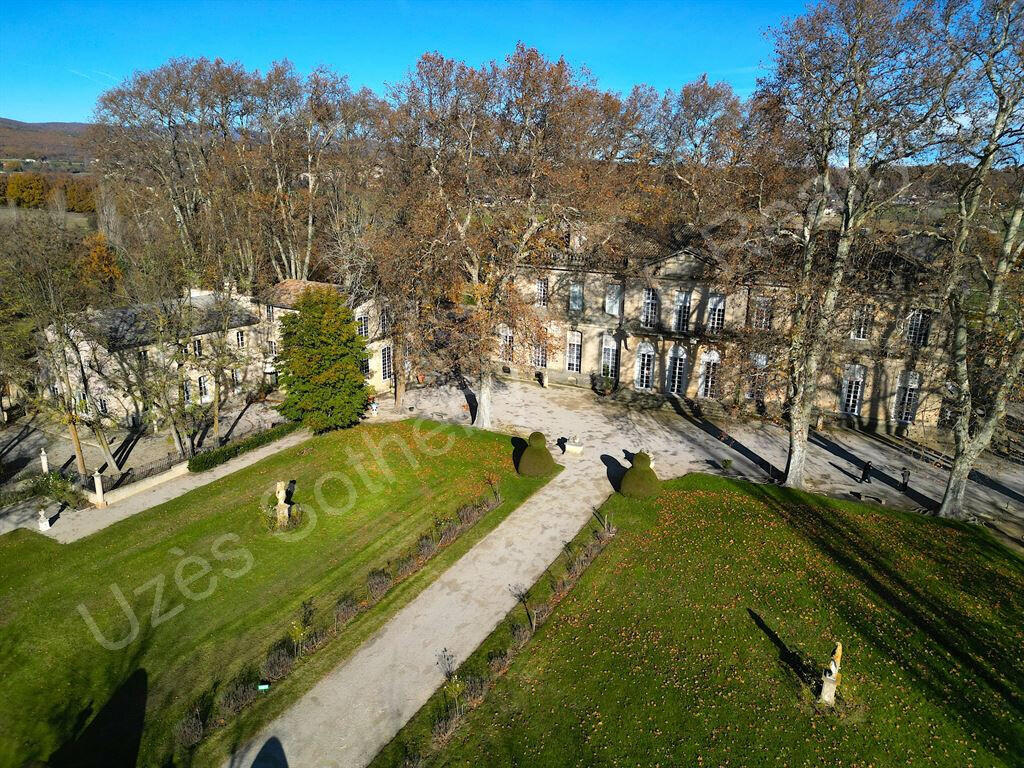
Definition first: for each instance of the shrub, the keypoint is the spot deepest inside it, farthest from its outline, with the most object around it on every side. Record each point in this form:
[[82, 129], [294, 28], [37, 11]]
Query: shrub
[[469, 514], [444, 724], [426, 546], [520, 635], [640, 482], [404, 566], [345, 608], [210, 459], [277, 664], [237, 695], [188, 731], [536, 459], [497, 662], [476, 686], [378, 582], [447, 530]]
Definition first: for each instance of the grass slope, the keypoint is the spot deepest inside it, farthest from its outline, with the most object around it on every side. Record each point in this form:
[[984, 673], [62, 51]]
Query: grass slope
[[60, 686], [690, 638]]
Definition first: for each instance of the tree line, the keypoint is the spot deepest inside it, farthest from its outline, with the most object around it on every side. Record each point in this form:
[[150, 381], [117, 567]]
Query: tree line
[[882, 151], [30, 189]]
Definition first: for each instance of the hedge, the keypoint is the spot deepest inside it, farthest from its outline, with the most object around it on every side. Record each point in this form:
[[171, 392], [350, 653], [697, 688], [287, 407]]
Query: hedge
[[210, 459]]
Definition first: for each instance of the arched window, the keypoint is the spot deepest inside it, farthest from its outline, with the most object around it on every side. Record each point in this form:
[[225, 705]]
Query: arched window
[[649, 310], [574, 351], [710, 365], [609, 357], [644, 366], [675, 375]]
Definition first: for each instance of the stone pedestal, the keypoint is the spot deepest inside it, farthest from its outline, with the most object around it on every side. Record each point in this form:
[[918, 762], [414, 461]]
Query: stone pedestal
[[574, 447], [283, 508], [829, 683]]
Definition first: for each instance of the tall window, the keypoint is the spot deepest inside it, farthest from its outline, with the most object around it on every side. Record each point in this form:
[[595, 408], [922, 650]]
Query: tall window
[[270, 312], [609, 357], [197, 347], [575, 297], [540, 356], [574, 351], [682, 311], [236, 379], [54, 389], [385, 322], [758, 376], [363, 326], [240, 339], [364, 365], [645, 367], [862, 318], [386, 364], [613, 299], [506, 348], [104, 409], [918, 327], [204, 389], [186, 391], [675, 376], [716, 313], [907, 396], [710, 370], [649, 310], [272, 347], [852, 389], [542, 293], [761, 318]]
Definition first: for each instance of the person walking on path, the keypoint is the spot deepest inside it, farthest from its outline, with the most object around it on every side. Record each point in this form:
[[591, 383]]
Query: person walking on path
[[904, 479], [865, 475]]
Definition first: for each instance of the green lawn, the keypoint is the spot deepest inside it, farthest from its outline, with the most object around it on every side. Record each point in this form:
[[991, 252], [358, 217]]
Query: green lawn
[[688, 640], [60, 688]]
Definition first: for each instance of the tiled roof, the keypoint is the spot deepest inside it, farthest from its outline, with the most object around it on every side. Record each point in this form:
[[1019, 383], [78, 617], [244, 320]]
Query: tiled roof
[[286, 293]]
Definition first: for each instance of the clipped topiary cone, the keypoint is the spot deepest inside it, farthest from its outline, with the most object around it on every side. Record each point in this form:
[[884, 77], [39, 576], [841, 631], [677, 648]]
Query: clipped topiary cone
[[536, 459], [640, 482]]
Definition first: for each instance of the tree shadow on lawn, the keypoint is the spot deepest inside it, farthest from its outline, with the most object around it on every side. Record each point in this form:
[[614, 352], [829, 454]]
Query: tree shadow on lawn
[[790, 659], [968, 647]]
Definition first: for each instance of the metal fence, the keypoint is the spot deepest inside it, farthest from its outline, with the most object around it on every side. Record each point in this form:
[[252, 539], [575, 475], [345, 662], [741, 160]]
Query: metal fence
[[139, 472]]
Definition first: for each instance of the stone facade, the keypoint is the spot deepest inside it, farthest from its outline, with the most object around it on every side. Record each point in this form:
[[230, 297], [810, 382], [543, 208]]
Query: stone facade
[[669, 331]]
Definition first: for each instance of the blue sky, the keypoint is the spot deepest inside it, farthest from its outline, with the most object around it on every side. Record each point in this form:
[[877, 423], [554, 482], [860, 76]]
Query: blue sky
[[56, 57]]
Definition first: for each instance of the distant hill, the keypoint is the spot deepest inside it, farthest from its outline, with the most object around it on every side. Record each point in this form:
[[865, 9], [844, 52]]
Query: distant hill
[[53, 141]]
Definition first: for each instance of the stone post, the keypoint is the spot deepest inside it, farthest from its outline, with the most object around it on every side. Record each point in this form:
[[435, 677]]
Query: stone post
[[97, 482], [44, 461]]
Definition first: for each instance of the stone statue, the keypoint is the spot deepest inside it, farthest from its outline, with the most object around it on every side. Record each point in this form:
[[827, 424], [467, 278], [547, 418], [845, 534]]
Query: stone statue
[[830, 677], [44, 520], [283, 507]]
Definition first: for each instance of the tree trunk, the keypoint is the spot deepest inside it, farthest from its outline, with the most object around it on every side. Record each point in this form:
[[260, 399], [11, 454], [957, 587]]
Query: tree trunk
[[483, 402], [101, 438], [179, 446], [399, 377], [796, 460], [956, 486], [77, 443], [216, 409]]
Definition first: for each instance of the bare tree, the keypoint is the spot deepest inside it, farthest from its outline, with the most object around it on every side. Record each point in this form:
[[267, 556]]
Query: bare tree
[[983, 243], [860, 84]]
